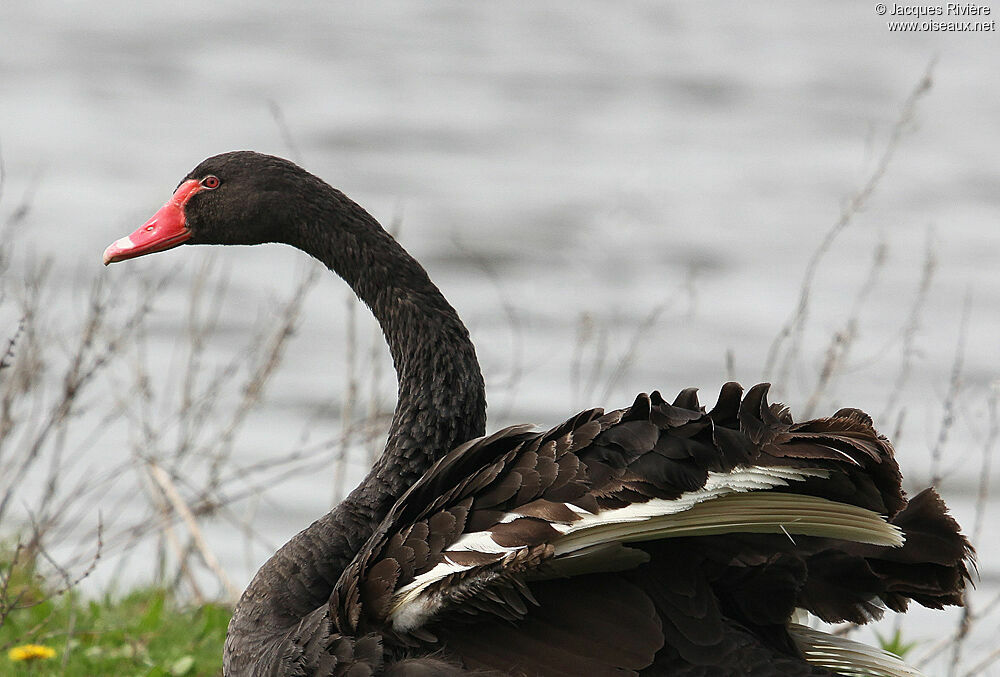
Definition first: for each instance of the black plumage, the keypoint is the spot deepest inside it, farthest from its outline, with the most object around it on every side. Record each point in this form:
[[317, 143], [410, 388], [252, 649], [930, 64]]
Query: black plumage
[[660, 539]]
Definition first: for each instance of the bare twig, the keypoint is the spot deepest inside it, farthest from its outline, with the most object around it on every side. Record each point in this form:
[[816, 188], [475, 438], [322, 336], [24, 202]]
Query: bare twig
[[954, 386], [255, 385], [840, 344], [792, 329], [515, 361], [85, 363], [6, 603], [982, 498], [26, 556], [70, 582], [8, 354], [628, 356], [988, 660], [912, 327], [986, 468], [177, 501], [20, 213], [584, 334]]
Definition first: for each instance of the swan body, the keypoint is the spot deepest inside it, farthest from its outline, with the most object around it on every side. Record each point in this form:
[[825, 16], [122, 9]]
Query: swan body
[[660, 539]]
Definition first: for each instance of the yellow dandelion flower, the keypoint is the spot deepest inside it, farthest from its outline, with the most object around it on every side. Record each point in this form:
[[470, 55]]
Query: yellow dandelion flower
[[31, 652]]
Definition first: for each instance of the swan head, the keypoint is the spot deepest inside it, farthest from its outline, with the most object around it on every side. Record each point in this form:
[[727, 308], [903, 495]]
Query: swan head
[[241, 197]]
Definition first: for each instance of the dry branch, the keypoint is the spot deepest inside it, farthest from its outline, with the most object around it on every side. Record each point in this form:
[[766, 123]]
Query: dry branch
[[792, 329]]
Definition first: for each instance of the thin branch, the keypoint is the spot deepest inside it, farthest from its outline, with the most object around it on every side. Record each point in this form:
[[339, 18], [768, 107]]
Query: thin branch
[[840, 344], [177, 501], [954, 386], [911, 328], [988, 660], [982, 498], [628, 357], [8, 354], [792, 329]]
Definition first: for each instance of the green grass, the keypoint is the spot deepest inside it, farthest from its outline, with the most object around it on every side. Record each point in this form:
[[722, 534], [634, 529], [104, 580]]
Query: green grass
[[146, 633], [894, 643]]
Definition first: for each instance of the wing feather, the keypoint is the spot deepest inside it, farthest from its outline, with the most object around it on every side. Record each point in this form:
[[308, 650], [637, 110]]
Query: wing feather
[[504, 517]]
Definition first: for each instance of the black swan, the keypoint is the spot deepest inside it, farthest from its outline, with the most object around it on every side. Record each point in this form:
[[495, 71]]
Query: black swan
[[660, 539]]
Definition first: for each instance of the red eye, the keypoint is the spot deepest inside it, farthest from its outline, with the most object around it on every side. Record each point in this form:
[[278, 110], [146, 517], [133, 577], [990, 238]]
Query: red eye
[[210, 182]]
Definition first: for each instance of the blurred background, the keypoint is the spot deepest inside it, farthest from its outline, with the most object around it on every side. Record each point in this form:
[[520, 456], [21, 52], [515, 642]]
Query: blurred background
[[616, 197]]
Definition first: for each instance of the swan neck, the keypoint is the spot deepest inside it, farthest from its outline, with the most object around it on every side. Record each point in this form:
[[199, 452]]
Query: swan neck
[[441, 403], [441, 395]]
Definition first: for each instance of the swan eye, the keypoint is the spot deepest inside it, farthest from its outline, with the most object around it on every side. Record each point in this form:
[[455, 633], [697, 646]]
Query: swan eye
[[210, 182]]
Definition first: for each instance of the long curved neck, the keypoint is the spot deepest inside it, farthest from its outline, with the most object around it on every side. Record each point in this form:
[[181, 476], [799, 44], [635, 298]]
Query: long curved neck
[[441, 397], [441, 403]]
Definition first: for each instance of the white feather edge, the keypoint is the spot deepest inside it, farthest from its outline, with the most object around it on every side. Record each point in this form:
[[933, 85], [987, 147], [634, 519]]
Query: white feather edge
[[763, 512], [847, 657], [733, 502]]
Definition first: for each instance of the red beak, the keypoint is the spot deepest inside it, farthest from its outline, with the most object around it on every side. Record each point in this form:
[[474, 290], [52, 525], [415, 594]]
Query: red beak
[[166, 230]]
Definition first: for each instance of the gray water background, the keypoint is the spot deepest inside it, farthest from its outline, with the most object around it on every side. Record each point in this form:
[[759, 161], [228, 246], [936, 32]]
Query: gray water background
[[544, 160]]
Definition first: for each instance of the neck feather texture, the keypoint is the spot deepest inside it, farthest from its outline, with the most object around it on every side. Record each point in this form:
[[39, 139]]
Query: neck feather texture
[[441, 403]]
